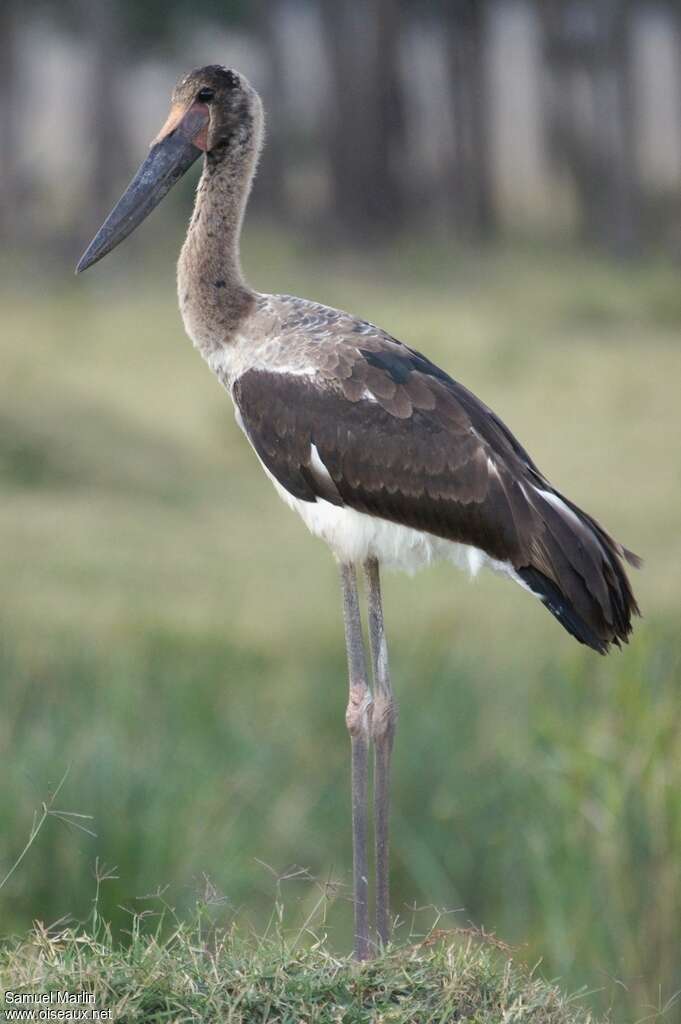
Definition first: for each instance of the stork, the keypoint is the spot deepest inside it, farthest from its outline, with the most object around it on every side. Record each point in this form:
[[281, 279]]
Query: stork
[[385, 456]]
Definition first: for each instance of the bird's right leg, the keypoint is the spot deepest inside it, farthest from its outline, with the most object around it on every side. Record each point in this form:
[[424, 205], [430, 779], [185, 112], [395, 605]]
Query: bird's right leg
[[383, 726], [357, 719]]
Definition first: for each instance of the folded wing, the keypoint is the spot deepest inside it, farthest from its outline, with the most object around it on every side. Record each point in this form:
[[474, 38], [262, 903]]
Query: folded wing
[[384, 431]]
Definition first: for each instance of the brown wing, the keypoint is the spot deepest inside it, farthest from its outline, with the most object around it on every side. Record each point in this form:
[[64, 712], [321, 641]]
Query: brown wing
[[403, 441], [424, 466]]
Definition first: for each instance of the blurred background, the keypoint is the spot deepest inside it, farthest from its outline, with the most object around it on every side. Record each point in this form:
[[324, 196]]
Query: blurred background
[[496, 183]]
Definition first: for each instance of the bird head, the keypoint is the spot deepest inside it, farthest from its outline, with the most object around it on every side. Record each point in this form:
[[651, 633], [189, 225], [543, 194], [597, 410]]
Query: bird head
[[213, 111], [231, 103]]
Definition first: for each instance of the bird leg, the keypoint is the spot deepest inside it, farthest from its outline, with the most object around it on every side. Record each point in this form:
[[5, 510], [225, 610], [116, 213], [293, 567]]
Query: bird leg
[[383, 726], [357, 719]]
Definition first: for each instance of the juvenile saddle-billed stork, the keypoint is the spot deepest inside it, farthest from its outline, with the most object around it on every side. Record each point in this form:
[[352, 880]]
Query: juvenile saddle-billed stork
[[384, 455]]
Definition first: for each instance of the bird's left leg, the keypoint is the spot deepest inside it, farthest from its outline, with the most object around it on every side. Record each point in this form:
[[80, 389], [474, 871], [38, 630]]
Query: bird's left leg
[[357, 719], [383, 726]]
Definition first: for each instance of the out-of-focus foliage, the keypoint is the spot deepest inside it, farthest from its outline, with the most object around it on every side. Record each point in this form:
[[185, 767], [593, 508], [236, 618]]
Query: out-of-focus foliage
[[146, 25], [560, 117]]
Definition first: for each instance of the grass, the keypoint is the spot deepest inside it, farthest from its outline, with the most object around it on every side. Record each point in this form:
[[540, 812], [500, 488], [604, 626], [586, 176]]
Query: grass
[[200, 973], [171, 633]]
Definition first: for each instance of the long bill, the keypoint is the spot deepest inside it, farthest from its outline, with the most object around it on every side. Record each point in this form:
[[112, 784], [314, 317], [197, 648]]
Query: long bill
[[173, 152]]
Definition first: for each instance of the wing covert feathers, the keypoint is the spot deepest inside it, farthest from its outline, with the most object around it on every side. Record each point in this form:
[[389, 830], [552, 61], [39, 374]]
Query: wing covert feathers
[[402, 440]]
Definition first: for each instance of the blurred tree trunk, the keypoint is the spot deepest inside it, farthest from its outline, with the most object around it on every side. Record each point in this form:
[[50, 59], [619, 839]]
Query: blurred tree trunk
[[626, 195], [366, 122], [464, 23], [9, 168], [271, 180], [590, 111], [105, 35], [674, 7]]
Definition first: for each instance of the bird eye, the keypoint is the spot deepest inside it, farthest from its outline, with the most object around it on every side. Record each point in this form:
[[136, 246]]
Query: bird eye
[[205, 95]]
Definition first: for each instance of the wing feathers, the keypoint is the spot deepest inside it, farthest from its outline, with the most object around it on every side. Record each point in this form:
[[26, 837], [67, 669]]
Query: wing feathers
[[395, 437]]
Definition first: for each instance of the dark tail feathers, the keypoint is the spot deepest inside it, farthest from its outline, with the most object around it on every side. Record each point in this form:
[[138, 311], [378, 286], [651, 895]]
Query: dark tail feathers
[[580, 576]]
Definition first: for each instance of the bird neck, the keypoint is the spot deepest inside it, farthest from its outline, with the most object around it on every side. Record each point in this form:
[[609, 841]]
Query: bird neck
[[214, 296]]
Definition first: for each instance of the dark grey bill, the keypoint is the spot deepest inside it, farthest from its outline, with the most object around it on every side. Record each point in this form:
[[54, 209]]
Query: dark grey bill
[[167, 162]]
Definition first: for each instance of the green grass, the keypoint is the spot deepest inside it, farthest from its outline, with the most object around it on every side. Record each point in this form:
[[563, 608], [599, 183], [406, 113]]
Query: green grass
[[171, 632], [199, 973]]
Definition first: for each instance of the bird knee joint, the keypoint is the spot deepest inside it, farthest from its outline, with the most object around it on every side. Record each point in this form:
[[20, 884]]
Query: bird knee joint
[[384, 717], [358, 712]]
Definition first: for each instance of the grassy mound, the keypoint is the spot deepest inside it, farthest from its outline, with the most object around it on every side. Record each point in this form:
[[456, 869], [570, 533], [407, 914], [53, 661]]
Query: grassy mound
[[199, 975]]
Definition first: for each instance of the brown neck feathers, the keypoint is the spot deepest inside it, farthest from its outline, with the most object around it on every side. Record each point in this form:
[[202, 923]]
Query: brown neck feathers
[[214, 297]]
